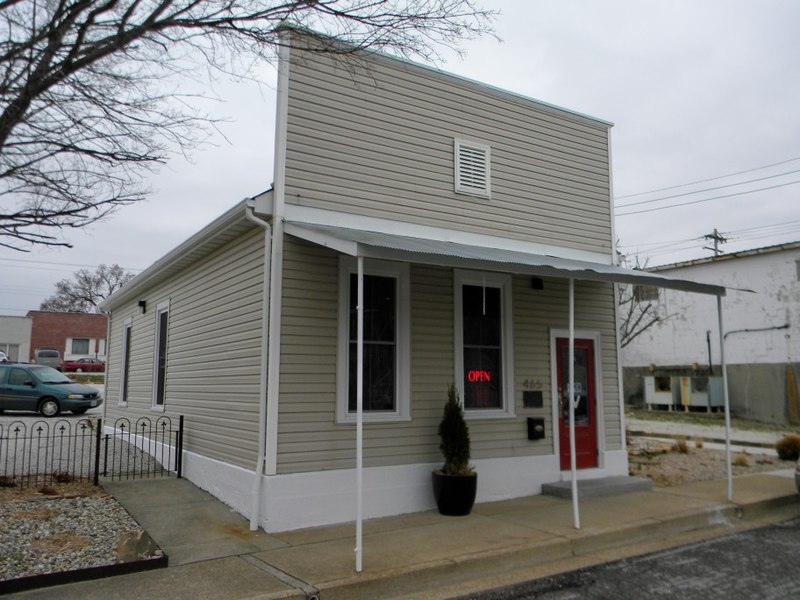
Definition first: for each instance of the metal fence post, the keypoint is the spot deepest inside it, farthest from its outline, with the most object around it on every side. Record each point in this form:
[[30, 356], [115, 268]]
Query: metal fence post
[[179, 446], [97, 437]]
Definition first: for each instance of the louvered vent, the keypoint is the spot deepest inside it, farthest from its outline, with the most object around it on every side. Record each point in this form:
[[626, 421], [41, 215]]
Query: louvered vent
[[472, 169]]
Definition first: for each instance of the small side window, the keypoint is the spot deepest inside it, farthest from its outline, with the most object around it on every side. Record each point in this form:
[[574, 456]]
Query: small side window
[[645, 293]]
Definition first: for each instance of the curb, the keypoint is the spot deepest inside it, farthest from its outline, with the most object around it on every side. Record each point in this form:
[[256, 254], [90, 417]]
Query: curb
[[520, 563], [712, 440]]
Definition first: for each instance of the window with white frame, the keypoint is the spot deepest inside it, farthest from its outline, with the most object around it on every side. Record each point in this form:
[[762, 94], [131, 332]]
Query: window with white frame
[[472, 168], [386, 372], [80, 346], [127, 329], [160, 367], [483, 343]]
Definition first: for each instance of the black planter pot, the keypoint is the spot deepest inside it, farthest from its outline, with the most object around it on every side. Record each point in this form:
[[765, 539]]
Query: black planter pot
[[454, 494]]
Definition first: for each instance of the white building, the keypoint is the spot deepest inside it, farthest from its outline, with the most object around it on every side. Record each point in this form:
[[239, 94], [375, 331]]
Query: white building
[[762, 329]]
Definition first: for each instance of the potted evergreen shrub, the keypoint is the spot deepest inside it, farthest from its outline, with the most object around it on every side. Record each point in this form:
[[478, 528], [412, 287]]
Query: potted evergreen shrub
[[455, 484]]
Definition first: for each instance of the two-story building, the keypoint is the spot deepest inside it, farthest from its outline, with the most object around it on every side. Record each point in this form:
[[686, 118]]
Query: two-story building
[[473, 221]]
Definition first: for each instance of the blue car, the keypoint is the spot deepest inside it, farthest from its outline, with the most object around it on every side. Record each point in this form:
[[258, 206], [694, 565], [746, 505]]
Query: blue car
[[44, 390]]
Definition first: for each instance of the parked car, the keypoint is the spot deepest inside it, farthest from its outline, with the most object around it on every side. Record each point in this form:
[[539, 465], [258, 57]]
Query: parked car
[[85, 365], [47, 357], [3, 356], [44, 390]]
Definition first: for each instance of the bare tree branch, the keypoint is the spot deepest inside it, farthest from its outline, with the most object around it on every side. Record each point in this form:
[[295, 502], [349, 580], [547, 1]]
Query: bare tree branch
[[86, 289], [91, 96]]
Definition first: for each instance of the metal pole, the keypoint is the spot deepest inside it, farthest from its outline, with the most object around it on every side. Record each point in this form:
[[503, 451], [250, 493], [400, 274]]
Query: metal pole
[[360, 416], [571, 395], [726, 401]]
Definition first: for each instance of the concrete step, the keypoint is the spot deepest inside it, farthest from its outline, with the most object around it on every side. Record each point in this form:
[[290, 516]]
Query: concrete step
[[595, 488]]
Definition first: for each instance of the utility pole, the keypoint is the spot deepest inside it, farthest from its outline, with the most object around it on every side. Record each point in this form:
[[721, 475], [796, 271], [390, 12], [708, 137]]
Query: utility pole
[[718, 239]]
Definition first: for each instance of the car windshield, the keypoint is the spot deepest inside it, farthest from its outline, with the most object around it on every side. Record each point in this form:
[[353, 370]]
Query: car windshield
[[49, 375]]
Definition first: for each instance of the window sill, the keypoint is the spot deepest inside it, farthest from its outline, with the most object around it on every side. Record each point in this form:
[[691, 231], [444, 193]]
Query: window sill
[[350, 419], [478, 415]]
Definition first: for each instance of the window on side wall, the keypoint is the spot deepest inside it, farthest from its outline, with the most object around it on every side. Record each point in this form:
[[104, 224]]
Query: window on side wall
[[125, 362], [386, 373], [80, 346], [472, 168], [161, 343], [645, 293], [483, 343]]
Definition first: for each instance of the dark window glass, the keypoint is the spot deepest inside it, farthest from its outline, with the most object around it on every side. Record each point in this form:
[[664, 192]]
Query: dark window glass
[[80, 346], [161, 370], [482, 320], [126, 361], [19, 377], [380, 343], [581, 376]]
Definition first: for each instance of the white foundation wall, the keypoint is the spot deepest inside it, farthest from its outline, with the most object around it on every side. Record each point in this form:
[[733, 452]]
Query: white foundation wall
[[301, 500]]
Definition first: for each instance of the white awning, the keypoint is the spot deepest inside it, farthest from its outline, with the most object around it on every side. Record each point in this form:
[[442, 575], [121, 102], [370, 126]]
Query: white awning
[[370, 244]]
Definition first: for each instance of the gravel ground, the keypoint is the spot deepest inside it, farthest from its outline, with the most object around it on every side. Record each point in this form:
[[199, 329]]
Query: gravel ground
[[47, 534], [666, 465]]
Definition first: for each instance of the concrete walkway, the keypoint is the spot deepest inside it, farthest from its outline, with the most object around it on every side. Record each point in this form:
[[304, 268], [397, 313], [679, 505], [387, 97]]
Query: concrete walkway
[[422, 555]]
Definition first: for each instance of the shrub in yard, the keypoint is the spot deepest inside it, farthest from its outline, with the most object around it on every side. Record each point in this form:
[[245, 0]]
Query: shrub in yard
[[788, 447], [741, 460], [681, 446], [698, 443], [6, 481]]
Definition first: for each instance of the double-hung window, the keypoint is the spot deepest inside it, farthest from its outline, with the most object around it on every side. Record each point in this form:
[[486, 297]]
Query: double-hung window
[[483, 343], [125, 363], [160, 366], [386, 376]]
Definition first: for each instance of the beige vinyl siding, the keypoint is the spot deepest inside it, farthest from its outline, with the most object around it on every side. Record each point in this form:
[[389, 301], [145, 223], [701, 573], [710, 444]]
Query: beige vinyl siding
[[381, 144], [213, 352], [310, 439]]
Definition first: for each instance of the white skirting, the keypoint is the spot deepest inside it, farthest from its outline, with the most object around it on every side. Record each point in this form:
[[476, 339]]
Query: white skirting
[[303, 500]]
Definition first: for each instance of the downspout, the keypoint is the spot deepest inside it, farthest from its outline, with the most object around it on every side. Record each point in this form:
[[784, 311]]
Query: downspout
[[255, 495], [107, 313], [276, 272]]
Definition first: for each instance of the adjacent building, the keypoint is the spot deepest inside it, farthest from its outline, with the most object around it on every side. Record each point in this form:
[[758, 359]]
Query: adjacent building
[[74, 335], [762, 331]]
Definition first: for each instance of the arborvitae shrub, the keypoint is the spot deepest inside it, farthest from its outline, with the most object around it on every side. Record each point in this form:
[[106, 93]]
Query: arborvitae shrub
[[454, 435]]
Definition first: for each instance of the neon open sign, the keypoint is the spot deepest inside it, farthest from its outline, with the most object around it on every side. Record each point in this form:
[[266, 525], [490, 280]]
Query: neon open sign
[[476, 376]]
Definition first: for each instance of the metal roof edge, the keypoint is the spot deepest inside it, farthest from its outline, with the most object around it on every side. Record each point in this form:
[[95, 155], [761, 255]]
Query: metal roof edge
[[727, 256]]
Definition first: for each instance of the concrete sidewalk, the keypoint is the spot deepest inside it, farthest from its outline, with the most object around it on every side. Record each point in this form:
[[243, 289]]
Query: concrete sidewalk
[[421, 555]]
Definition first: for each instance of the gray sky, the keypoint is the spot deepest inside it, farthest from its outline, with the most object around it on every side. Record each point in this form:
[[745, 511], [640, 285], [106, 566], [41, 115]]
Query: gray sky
[[696, 90]]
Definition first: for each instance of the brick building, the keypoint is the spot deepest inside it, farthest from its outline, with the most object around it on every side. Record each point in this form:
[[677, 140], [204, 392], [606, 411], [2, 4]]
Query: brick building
[[74, 335]]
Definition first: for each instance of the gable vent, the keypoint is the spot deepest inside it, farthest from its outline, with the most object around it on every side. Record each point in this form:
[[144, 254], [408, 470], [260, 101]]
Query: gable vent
[[473, 162]]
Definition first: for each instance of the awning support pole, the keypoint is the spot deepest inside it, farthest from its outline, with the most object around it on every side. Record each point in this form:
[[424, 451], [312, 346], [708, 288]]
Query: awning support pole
[[727, 405], [360, 416], [571, 399]]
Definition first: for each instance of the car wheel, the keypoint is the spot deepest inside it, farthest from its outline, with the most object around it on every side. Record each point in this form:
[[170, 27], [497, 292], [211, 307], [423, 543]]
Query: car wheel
[[49, 407], [79, 411], [79, 370]]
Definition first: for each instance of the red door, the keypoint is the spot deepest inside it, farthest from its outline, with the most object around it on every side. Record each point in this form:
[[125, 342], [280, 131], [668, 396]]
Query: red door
[[586, 410]]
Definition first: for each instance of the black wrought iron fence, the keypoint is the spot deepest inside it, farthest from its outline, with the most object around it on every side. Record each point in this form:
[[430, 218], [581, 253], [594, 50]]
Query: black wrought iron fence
[[143, 449], [45, 452]]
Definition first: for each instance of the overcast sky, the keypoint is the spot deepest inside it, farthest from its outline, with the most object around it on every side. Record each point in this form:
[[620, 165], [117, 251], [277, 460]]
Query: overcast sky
[[696, 90]]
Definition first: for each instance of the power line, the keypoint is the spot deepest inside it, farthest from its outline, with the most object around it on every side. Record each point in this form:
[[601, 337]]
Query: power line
[[647, 210], [711, 189], [674, 187]]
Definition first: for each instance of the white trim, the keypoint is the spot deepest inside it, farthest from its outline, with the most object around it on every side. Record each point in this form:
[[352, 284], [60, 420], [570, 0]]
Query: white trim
[[495, 280], [161, 308], [401, 273], [480, 154], [276, 260], [318, 216], [580, 334], [127, 331]]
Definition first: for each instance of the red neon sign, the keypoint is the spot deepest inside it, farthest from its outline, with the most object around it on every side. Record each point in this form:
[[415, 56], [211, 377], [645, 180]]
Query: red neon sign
[[476, 376]]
